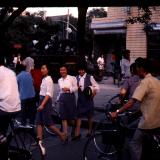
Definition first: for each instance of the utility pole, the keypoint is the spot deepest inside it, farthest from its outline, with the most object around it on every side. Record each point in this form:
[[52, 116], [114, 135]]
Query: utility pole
[[67, 34]]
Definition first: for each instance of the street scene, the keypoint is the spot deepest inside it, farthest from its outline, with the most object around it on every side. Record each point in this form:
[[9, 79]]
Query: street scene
[[80, 83], [74, 150]]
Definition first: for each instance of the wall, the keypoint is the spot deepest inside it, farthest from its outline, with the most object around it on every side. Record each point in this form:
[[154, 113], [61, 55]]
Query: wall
[[136, 39]]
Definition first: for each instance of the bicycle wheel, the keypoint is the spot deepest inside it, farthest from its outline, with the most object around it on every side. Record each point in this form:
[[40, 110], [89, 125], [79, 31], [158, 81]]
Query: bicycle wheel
[[96, 149], [48, 130], [21, 145], [56, 119]]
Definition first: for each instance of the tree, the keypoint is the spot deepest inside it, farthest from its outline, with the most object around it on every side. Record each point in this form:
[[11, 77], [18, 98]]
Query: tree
[[30, 27], [40, 13], [7, 16], [96, 13], [144, 15], [84, 19], [81, 31]]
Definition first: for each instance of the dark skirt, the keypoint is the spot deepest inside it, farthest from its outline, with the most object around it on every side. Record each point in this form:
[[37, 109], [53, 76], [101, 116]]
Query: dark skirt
[[85, 106], [44, 117], [67, 106]]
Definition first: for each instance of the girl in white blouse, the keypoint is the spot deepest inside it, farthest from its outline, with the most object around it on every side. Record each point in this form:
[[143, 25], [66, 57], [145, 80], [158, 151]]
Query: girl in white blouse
[[85, 104], [45, 108], [67, 99]]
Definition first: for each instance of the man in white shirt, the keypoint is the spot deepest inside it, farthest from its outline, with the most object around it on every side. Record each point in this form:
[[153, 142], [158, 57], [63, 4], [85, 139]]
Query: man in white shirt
[[9, 101], [101, 64], [148, 93]]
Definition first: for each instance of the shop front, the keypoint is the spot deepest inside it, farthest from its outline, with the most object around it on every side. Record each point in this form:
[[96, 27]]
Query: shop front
[[109, 38]]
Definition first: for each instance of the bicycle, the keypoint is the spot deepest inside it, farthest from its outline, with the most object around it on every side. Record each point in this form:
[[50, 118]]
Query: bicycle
[[108, 137], [20, 141], [56, 119]]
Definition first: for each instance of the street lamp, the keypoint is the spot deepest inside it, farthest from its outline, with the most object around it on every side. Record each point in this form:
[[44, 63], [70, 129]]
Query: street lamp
[[68, 24], [69, 28], [67, 33]]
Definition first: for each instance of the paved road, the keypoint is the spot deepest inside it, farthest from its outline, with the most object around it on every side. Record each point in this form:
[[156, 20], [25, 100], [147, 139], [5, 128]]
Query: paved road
[[73, 150], [56, 150]]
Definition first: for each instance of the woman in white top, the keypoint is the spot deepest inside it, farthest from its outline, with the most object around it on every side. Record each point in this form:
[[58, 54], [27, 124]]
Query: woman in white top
[[45, 107], [67, 99], [85, 104]]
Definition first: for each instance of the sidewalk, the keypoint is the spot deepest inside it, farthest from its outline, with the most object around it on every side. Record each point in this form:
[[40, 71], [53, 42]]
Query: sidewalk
[[107, 90]]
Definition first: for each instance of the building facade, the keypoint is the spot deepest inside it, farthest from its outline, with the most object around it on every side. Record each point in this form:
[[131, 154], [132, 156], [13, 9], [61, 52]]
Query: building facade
[[114, 34]]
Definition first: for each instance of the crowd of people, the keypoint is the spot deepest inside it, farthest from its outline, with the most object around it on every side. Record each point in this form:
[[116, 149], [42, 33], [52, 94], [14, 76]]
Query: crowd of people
[[28, 93]]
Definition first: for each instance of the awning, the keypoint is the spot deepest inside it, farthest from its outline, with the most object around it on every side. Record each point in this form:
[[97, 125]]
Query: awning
[[152, 27], [110, 31], [156, 27], [107, 25], [114, 27]]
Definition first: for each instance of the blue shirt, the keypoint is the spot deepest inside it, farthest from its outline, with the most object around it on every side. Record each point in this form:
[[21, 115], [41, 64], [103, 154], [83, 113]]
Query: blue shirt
[[130, 85], [25, 85]]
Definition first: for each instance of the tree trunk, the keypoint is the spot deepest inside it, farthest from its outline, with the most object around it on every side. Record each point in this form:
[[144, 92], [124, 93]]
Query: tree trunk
[[81, 32]]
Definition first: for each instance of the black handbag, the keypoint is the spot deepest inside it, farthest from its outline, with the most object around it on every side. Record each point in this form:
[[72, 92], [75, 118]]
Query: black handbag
[[88, 92]]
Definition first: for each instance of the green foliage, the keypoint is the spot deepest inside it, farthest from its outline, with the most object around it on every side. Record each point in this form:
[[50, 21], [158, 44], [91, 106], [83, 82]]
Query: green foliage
[[23, 30], [96, 13], [144, 16]]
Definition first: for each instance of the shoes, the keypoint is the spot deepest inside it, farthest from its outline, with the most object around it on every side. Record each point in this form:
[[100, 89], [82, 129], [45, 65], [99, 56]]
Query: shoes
[[42, 148], [76, 138]]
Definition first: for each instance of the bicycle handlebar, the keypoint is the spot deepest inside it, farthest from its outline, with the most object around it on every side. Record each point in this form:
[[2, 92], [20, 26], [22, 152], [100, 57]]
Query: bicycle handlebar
[[116, 96], [120, 115]]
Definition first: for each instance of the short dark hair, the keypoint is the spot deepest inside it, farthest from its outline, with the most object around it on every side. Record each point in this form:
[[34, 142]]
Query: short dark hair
[[48, 66], [133, 68], [138, 60], [63, 65], [144, 63], [126, 53], [82, 66]]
